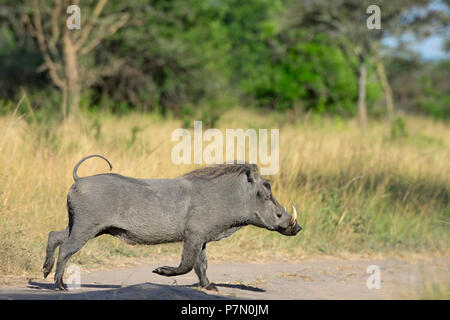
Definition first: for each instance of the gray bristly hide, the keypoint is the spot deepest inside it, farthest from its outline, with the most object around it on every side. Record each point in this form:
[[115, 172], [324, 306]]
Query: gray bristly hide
[[204, 205]]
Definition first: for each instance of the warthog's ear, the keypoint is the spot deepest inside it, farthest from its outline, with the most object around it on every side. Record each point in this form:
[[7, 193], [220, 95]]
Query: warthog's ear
[[252, 173]]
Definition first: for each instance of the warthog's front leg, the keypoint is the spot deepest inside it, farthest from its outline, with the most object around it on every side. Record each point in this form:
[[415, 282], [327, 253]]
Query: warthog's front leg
[[191, 250], [200, 269]]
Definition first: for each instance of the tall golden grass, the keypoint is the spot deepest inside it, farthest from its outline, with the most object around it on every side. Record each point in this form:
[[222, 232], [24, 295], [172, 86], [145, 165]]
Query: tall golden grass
[[354, 194]]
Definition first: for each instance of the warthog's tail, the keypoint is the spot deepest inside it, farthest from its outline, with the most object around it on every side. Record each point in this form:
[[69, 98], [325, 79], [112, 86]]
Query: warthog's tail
[[75, 176]]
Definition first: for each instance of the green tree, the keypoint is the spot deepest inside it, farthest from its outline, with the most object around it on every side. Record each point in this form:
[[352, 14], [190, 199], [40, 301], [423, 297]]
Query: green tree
[[345, 21], [66, 54]]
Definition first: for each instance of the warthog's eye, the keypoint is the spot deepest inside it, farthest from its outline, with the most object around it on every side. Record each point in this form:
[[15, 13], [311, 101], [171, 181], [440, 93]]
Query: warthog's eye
[[263, 196], [267, 185]]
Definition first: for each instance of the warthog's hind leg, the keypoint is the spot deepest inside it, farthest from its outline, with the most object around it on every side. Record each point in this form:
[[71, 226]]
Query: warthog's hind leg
[[77, 239], [55, 238], [191, 250]]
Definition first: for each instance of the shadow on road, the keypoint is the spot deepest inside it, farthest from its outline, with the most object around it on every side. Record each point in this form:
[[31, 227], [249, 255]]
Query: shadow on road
[[240, 286], [51, 286], [231, 286], [150, 291]]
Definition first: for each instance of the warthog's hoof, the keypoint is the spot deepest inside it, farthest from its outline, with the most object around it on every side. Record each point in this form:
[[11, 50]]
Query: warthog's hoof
[[165, 271], [46, 271], [47, 268], [211, 287], [60, 285]]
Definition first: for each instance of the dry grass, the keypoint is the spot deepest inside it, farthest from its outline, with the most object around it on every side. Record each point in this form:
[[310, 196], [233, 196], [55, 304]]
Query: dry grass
[[354, 195]]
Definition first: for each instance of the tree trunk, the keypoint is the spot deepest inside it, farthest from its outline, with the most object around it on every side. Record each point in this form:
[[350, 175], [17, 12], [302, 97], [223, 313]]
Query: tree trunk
[[387, 89], [72, 76], [362, 112]]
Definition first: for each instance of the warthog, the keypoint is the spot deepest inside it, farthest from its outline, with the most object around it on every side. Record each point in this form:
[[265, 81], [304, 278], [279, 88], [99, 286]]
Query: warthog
[[204, 205]]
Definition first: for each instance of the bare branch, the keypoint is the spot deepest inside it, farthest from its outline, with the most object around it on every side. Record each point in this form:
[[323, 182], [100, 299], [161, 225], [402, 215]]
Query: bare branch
[[106, 33], [88, 28], [40, 36], [55, 15]]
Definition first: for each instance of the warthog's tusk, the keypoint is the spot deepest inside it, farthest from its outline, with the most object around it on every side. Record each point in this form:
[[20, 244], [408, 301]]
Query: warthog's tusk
[[294, 216]]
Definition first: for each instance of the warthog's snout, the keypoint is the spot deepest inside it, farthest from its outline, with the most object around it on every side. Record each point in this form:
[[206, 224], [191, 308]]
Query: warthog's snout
[[293, 228]]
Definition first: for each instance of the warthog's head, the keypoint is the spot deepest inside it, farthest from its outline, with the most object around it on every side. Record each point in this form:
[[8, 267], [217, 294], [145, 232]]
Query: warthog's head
[[252, 196], [264, 209]]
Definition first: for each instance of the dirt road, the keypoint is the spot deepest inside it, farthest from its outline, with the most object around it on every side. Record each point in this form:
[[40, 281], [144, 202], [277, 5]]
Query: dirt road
[[314, 279]]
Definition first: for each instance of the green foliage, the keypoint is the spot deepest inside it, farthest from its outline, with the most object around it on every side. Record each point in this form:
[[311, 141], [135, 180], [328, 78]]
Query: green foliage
[[436, 98], [398, 128], [210, 118], [18, 64], [135, 130], [314, 72], [96, 127], [215, 53], [172, 53], [421, 87], [208, 115]]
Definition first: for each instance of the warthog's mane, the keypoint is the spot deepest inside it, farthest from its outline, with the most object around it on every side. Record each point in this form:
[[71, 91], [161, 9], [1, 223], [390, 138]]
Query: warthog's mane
[[212, 172]]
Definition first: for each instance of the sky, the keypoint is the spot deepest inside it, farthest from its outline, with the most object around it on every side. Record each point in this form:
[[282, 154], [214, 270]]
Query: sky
[[432, 47], [429, 49]]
